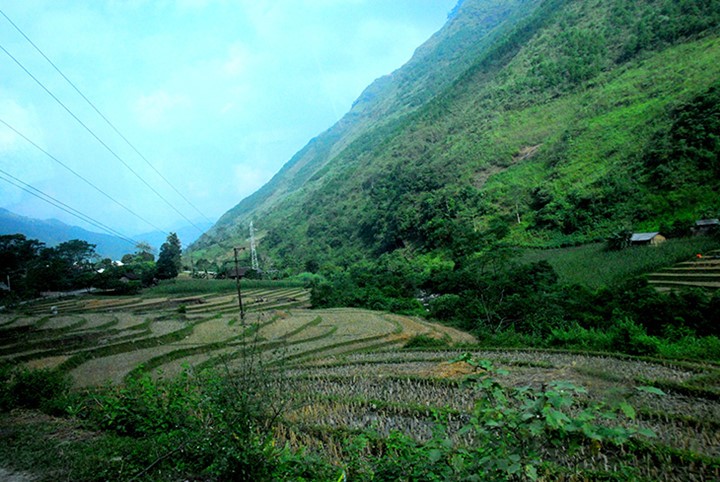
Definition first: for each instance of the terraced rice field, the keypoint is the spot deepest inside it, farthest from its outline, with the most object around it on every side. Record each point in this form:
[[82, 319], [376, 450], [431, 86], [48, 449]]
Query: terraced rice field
[[348, 371], [699, 273]]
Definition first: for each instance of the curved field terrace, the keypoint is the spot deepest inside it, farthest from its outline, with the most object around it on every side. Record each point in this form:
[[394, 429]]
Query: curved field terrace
[[350, 371]]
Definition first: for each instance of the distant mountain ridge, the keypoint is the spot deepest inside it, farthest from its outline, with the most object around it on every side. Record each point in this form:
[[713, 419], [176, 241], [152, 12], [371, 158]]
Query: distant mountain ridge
[[53, 232], [544, 122]]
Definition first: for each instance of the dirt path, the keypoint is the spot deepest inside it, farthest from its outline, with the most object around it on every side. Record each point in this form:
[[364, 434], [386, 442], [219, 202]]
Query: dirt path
[[12, 476]]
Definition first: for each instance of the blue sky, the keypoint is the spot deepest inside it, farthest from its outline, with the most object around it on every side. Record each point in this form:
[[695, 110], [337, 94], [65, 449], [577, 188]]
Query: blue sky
[[217, 95]]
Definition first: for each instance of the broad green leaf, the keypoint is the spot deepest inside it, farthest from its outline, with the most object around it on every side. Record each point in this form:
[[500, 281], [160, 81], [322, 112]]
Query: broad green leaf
[[628, 410], [531, 472], [434, 455], [647, 389], [646, 432]]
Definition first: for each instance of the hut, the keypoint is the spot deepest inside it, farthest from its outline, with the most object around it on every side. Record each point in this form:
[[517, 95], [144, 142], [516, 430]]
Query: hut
[[128, 277], [641, 239], [705, 226], [232, 273]]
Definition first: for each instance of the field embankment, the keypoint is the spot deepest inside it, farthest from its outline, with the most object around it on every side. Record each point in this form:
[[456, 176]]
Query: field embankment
[[349, 373]]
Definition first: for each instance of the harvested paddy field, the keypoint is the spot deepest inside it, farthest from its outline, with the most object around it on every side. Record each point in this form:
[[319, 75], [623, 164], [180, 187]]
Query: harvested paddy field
[[348, 370]]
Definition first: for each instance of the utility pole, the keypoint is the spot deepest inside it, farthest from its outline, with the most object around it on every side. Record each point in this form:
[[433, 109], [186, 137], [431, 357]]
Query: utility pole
[[237, 282], [253, 252]]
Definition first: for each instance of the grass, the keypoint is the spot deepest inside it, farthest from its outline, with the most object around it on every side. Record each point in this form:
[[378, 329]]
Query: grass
[[361, 391], [213, 286], [594, 267]]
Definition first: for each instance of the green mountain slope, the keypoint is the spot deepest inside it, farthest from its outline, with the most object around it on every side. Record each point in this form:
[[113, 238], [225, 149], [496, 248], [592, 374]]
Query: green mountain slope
[[435, 65], [544, 122]]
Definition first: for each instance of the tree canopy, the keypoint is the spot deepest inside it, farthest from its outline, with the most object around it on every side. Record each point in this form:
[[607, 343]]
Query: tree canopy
[[170, 259]]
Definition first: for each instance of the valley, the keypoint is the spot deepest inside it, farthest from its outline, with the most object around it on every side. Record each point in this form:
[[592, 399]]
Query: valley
[[346, 372]]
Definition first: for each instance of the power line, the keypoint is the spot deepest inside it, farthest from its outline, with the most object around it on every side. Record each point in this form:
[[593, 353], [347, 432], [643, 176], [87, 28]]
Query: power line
[[34, 144], [104, 118], [61, 205], [90, 131]]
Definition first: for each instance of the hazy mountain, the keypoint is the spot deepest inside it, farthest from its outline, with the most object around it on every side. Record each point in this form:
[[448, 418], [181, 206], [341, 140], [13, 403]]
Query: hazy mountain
[[53, 232], [547, 122], [187, 234]]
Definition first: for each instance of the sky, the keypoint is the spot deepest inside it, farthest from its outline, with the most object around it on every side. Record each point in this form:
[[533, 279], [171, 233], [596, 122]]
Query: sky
[[213, 97]]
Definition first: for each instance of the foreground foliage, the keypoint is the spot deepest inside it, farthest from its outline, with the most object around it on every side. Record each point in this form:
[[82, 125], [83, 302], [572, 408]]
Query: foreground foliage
[[220, 425]]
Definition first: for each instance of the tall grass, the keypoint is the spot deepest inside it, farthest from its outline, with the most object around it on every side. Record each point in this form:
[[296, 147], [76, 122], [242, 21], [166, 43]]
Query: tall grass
[[214, 286], [594, 266]]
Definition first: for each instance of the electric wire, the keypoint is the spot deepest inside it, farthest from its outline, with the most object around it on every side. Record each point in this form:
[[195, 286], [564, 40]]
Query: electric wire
[[107, 121], [61, 205], [34, 144], [90, 131]]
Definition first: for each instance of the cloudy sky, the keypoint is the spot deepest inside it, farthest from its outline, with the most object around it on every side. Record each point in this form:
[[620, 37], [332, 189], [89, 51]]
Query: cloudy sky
[[215, 95]]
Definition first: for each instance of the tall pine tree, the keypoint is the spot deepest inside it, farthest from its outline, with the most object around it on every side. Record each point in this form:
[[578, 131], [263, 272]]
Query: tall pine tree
[[169, 260]]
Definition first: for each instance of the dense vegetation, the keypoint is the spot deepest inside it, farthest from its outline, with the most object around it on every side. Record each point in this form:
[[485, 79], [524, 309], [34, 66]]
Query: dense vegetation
[[506, 302], [569, 122], [217, 427], [572, 120], [29, 267], [522, 124]]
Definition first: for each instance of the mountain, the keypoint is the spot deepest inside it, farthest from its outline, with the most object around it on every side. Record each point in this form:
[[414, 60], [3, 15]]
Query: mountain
[[186, 234], [539, 122], [53, 232]]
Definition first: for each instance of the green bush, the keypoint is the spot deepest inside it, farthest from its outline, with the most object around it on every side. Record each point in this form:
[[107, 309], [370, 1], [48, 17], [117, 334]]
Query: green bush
[[43, 389], [216, 423], [579, 338], [426, 341], [691, 347], [511, 428], [629, 337]]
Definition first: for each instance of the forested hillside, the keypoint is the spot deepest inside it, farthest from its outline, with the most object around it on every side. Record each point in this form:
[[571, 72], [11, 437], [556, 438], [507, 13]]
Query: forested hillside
[[544, 123], [519, 125]]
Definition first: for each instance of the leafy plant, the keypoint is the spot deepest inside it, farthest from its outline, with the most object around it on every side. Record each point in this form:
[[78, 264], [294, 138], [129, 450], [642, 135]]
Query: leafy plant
[[37, 389], [425, 341], [511, 432]]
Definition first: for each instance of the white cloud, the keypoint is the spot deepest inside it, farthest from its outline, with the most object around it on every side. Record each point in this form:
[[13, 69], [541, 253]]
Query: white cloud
[[228, 90], [22, 119], [239, 60], [159, 108]]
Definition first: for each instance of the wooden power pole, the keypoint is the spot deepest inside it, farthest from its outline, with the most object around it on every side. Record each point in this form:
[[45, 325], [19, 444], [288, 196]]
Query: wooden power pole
[[237, 283]]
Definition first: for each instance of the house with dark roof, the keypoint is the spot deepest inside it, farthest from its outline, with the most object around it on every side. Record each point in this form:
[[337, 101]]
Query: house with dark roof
[[652, 239], [705, 226], [128, 277], [240, 273]]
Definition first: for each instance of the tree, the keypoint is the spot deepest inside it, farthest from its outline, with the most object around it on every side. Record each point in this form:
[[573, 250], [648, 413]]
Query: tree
[[169, 261], [16, 253], [76, 252], [144, 252], [69, 265]]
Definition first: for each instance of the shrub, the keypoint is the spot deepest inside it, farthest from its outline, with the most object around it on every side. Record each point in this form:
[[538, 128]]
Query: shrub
[[218, 423], [446, 307], [577, 337], [511, 429], [691, 347], [426, 341], [43, 389], [629, 337]]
